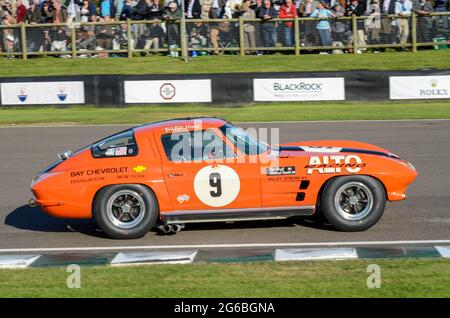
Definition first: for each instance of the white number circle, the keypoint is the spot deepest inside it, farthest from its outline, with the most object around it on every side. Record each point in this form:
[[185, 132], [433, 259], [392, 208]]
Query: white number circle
[[217, 185]]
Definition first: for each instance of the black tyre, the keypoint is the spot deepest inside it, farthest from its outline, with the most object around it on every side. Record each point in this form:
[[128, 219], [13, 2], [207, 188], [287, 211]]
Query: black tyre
[[353, 203], [126, 211]]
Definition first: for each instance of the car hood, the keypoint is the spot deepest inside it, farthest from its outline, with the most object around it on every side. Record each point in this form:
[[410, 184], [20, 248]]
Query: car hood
[[334, 146]]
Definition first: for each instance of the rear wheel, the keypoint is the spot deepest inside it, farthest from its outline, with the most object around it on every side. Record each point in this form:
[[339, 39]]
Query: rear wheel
[[353, 203], [126, 211]]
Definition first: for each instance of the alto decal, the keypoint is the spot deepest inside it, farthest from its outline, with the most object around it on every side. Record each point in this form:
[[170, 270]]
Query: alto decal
[[334, 164], [99, 171], [278, 171], [182, 198], [139, 168]]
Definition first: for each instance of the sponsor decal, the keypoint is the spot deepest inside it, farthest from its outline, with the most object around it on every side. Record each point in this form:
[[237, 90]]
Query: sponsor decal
[[99, 171], [334, 164], [120, 151], [278, 171], [419, 87], [182, 128], [182, 198], [22, 96], [299, 89], [62, 93], [139, 168], [284, 179], [110, 152], [84, 180], [217, 185], [168, 91], [41, 93]]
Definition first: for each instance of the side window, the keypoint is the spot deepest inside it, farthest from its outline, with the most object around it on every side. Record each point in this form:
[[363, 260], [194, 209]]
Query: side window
[[120, 145], [195, 146]]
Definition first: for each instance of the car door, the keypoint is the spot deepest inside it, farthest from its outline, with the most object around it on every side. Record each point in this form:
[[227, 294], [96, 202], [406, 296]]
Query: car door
[[198, 178]]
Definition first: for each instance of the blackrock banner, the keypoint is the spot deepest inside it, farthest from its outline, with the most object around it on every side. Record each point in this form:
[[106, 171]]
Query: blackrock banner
[[170, 91], [419, 87], [299, 89], [42, 93]]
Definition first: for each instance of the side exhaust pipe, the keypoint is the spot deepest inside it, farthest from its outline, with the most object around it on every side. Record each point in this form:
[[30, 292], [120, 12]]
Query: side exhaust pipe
[[170, 228]]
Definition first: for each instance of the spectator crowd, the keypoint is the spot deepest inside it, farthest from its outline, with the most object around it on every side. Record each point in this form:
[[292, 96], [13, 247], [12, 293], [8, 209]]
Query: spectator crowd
[[326, 25]]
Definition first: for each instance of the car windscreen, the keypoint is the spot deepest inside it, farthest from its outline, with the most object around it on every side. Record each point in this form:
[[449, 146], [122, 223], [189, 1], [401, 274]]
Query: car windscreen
[[245, 142], [122, 144]]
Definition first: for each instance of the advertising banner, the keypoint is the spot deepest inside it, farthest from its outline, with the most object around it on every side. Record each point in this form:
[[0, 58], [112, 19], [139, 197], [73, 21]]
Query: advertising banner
[[44, 93], [299, 89], [168, 91], [419, 87]]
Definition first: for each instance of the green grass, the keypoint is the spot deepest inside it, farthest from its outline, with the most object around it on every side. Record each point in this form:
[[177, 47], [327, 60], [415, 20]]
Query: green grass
[[227, 63], [399, 278], [264, 112]]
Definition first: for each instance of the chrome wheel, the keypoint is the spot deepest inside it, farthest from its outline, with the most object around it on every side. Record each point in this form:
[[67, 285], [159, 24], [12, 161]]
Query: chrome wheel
[[125, 209], [353, 201]]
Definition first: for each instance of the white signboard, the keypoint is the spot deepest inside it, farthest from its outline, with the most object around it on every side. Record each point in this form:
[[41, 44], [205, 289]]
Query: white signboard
[[35, 93], [419, 87], [170, 91], [299, 89]]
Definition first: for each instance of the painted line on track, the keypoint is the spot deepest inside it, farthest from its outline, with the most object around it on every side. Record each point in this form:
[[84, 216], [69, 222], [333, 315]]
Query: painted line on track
[[237, 122], [218, 246]]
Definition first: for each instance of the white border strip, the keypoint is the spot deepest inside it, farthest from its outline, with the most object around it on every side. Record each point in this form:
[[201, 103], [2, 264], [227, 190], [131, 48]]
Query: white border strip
[[443, 250], [207, 246]]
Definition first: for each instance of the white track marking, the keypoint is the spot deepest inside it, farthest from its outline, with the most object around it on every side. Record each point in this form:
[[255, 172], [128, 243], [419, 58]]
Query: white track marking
[[237, 122], [208, 246]]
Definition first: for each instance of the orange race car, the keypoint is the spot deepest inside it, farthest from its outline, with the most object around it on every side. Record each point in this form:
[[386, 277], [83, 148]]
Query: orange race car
[[189, 170]]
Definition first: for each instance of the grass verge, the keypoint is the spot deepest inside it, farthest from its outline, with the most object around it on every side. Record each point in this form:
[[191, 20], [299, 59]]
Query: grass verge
[[399, 278], [264, 112], [226, 63]]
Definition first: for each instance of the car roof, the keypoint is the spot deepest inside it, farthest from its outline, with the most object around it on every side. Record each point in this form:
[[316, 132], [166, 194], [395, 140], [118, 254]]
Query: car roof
[[181, 124]]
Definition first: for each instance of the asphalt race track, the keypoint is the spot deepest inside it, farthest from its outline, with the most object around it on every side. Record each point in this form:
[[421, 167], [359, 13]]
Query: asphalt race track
[[425, 215]]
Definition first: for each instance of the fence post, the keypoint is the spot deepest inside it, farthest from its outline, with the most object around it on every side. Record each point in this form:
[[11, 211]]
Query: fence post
[[241, 36], [129, 40], [414, 31], [297, 35], [355, 33], [23, 39], [73, 40]]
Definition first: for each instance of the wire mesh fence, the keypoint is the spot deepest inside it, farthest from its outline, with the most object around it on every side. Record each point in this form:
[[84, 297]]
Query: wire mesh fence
[[225, 36]]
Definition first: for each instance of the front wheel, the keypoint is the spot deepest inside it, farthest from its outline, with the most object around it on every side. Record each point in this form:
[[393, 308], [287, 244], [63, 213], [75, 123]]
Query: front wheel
[[353, 203], [125, 211]]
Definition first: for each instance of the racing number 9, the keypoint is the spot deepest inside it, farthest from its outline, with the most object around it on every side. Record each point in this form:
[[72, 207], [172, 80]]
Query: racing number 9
[[215, 182]]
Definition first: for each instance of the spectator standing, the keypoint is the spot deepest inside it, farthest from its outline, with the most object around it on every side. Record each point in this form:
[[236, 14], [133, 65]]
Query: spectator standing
[[249, 28], [288, 11], [155, 10], [214, 30], [373, 23], [73, 10], [107, 8], [118, 4], [21, 11], [218, 7], [127, 11], [403, 9], [442, 6], [268, 27], [306, 8], [423, 8], [171, 15], [339, 28], [358, 9], [323, 26], [35, 36]]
